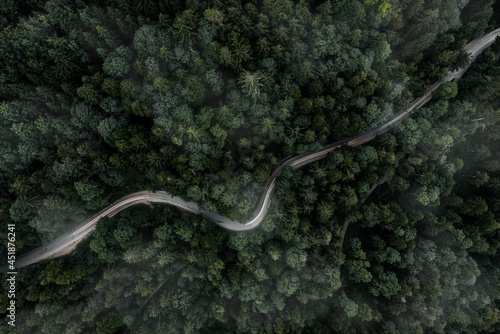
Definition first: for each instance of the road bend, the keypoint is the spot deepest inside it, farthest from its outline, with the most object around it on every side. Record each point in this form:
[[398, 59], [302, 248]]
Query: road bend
[[67, 242]]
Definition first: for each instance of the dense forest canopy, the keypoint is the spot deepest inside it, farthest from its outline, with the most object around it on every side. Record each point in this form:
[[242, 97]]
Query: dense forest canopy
[[203, 99]]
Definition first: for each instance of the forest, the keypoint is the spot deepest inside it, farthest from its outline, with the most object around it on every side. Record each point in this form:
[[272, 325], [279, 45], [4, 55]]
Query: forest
[[204, 99]]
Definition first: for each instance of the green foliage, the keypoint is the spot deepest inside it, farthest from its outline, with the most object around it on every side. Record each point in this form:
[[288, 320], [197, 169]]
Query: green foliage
[[184, 26], [385, 7], [386, 284], [447, 91], [117, 63], [108, 324], [288, 284], [250, 83], [55, 273], [88, 190], [348, 305], [203, 100]]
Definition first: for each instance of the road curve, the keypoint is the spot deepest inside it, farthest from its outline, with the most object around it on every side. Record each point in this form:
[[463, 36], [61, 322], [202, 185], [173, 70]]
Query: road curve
[[68, 241]]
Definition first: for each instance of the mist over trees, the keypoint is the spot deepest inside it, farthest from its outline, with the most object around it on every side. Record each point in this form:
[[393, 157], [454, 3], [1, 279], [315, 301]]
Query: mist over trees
[[203, 99]]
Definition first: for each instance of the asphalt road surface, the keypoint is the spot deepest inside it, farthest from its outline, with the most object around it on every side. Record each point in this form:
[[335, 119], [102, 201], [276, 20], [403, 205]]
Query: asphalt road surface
[[67, 242]]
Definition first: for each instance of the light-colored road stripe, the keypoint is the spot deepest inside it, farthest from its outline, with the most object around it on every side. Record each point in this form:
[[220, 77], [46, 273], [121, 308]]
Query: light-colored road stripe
[[475, 46], [105, 213]]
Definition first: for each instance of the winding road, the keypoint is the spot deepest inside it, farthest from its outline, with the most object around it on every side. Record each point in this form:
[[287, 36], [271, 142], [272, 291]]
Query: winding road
[[68, 241]]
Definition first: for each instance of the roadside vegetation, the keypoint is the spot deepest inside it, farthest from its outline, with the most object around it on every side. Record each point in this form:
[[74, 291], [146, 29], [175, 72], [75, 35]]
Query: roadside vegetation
[[203, 99]]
